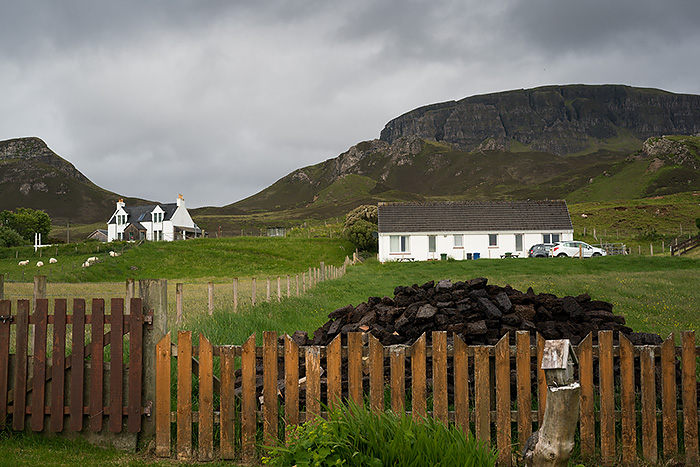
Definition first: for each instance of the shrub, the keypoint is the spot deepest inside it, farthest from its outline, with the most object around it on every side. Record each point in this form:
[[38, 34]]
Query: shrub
[[360, 225], [10, 237], [353, 436]]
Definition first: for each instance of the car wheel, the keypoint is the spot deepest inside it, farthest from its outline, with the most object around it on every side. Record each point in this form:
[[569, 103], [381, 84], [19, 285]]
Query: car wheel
[[562, 255], [596, 254]]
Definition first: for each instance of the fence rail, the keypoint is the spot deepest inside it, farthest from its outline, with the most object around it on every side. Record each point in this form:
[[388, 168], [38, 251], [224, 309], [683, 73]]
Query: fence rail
[[636, 395], [686, 245]]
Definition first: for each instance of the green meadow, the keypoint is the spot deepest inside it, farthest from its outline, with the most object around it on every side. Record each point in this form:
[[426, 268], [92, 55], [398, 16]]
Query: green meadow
[[657, 294]]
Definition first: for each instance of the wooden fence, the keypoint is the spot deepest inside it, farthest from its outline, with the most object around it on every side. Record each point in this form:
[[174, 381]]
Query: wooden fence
[[250, 291], [60, 381], [634, 404], [684, 246]]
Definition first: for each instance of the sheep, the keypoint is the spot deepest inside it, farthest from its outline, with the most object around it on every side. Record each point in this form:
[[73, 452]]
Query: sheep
[[92, 259], [53, 261], [39, 264], [114, 254], [24, 263], [87, 264], [584, 216]]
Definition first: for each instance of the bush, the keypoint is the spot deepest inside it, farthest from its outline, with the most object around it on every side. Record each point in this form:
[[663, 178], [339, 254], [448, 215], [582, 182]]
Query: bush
[[27, 222], [9, 237], [353, 436], [360, 225]]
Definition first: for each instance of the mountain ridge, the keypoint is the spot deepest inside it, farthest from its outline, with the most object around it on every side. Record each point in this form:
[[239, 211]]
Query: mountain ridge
[[33, 176], [543, 142], [556, 119]]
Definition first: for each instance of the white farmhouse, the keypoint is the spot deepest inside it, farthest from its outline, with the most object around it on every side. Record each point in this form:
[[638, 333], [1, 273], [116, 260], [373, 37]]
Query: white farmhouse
[[156, 222], [469, 229]]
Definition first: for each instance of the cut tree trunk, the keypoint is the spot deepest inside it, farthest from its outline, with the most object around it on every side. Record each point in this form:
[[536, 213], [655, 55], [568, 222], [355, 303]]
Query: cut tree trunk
[[554, 441]]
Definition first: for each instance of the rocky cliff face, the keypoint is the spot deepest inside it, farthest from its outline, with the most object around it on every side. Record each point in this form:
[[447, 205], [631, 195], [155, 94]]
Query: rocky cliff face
[[671, 150], [33, 176], [555, 119], [35, 151]]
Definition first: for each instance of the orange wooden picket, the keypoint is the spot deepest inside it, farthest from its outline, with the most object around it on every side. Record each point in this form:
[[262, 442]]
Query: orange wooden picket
[[475, 395]]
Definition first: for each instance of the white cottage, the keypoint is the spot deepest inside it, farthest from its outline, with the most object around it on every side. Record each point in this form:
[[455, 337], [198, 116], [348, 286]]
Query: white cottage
[[469, 229], [157, 222]]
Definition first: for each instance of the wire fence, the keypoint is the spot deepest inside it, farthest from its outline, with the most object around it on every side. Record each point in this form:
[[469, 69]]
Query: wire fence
[[184, 298]]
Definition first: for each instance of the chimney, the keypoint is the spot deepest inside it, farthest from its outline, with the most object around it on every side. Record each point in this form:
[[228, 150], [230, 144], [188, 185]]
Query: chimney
[[120, 203], [180, 200]]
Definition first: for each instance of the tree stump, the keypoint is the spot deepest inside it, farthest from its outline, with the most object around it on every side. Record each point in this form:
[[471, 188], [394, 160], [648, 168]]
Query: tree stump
[[552, 444]]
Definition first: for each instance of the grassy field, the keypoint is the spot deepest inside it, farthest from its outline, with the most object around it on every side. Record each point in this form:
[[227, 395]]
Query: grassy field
[[656, 294], [202, 259]]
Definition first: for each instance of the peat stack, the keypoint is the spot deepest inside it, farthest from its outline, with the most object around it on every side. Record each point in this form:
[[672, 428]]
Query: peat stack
[[478, 312]]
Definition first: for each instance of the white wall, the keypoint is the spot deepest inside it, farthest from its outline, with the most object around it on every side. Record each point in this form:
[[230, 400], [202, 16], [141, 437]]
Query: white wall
[[473, 242]]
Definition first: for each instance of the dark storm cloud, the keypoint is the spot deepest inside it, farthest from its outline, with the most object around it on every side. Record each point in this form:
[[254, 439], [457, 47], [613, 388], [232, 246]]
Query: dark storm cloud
[[218, 99], [560, 26]]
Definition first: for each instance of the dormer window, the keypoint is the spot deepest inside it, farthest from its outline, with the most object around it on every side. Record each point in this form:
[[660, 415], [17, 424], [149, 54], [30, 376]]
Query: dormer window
[[121, 219], [157, 217]]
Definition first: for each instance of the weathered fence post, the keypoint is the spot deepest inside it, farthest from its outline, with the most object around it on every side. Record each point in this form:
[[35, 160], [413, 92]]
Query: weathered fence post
[[322, 271], [297, 283], [178, 302], [39, 292], [289, 288], [2, 286], [130, 290], [253, 292], [552, 444], [210, 306], [279, 290], [154, 295], [235, 294], [267, 294]]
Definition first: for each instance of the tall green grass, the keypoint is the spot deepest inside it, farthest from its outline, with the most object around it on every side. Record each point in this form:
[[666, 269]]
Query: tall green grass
[[354, 436], [659, 294]]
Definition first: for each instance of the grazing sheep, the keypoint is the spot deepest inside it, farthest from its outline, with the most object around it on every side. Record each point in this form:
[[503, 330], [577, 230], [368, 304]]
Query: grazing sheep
[[24, 263], [92, 259], [39, 264], [53, 261], [114, 254], [87, 264], [584, 215]]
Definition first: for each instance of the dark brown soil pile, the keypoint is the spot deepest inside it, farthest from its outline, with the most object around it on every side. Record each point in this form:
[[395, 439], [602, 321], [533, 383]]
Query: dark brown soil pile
[[476, 311]]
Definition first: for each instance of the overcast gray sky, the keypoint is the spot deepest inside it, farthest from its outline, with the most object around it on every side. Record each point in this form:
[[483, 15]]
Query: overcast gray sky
[[219, 99]]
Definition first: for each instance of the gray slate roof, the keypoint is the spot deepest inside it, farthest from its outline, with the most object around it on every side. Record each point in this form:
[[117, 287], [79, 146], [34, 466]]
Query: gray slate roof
[[468, 216], [137, 214]]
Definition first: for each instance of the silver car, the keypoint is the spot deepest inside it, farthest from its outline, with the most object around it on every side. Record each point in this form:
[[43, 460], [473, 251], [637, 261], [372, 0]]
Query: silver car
[[575, 249]]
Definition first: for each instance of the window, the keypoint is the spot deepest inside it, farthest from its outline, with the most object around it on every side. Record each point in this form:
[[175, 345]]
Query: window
[[432, 243], [458, 241], [551, 238], [157, 217], [121, 219], [518, 242], [398, 244], [493, 239]]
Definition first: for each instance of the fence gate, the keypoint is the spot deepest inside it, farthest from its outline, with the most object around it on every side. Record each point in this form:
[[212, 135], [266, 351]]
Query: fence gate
[[66, 371]]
